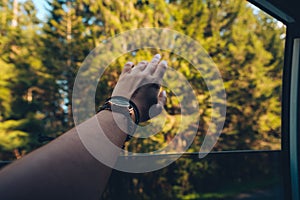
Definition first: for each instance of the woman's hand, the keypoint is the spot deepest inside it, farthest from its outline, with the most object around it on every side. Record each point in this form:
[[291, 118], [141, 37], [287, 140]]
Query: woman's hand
[[141, 84]]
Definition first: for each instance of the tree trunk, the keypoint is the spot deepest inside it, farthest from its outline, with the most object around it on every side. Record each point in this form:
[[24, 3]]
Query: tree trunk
[[14, 22]]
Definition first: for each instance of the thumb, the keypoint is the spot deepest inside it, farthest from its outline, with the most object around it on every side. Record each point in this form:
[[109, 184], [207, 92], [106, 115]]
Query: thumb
[[156, 109]]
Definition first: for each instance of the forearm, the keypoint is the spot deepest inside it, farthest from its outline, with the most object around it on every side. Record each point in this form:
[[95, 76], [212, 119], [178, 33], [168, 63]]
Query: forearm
[[63, 169]]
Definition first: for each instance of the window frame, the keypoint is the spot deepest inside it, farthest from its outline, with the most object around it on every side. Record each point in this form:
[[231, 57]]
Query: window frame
[[290, 96]]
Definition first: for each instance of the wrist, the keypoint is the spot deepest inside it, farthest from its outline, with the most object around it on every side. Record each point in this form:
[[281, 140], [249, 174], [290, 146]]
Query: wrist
[[113, 121], [120, 105]]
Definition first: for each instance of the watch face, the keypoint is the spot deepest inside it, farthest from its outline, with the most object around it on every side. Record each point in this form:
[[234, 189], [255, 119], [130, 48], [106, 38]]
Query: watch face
[[120, 102]]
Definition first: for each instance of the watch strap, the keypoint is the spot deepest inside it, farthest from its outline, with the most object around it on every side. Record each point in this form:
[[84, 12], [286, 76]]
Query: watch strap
[[127, 111]]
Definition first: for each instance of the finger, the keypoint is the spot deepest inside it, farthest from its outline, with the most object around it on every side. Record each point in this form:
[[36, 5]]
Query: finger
[[161, 69], [162, 98], [156, 109], [151, 67], [127, 68], [141, 65]]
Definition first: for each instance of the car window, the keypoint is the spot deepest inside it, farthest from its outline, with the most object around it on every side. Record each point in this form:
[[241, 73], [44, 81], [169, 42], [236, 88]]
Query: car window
[[229, 54]]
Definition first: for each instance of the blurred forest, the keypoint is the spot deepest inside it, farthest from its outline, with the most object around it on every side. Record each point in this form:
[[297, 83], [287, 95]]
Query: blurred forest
[[39, 61]]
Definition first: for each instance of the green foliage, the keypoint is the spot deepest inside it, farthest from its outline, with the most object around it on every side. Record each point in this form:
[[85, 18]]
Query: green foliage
[[246, 46], [10, 135], [24, 81]]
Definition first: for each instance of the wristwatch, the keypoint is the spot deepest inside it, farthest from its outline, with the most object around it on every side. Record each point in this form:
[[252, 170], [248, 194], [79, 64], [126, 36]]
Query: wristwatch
[[126, 107]]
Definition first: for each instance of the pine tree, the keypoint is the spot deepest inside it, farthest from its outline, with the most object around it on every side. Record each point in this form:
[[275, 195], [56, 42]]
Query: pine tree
[[66, 44], [24, 80]]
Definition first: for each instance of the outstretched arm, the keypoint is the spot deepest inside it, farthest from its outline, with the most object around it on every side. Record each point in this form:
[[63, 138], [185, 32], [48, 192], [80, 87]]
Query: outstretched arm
[[64, 169]]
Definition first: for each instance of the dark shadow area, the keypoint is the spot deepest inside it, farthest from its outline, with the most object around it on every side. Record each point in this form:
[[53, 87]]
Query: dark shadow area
[[252, 175]]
